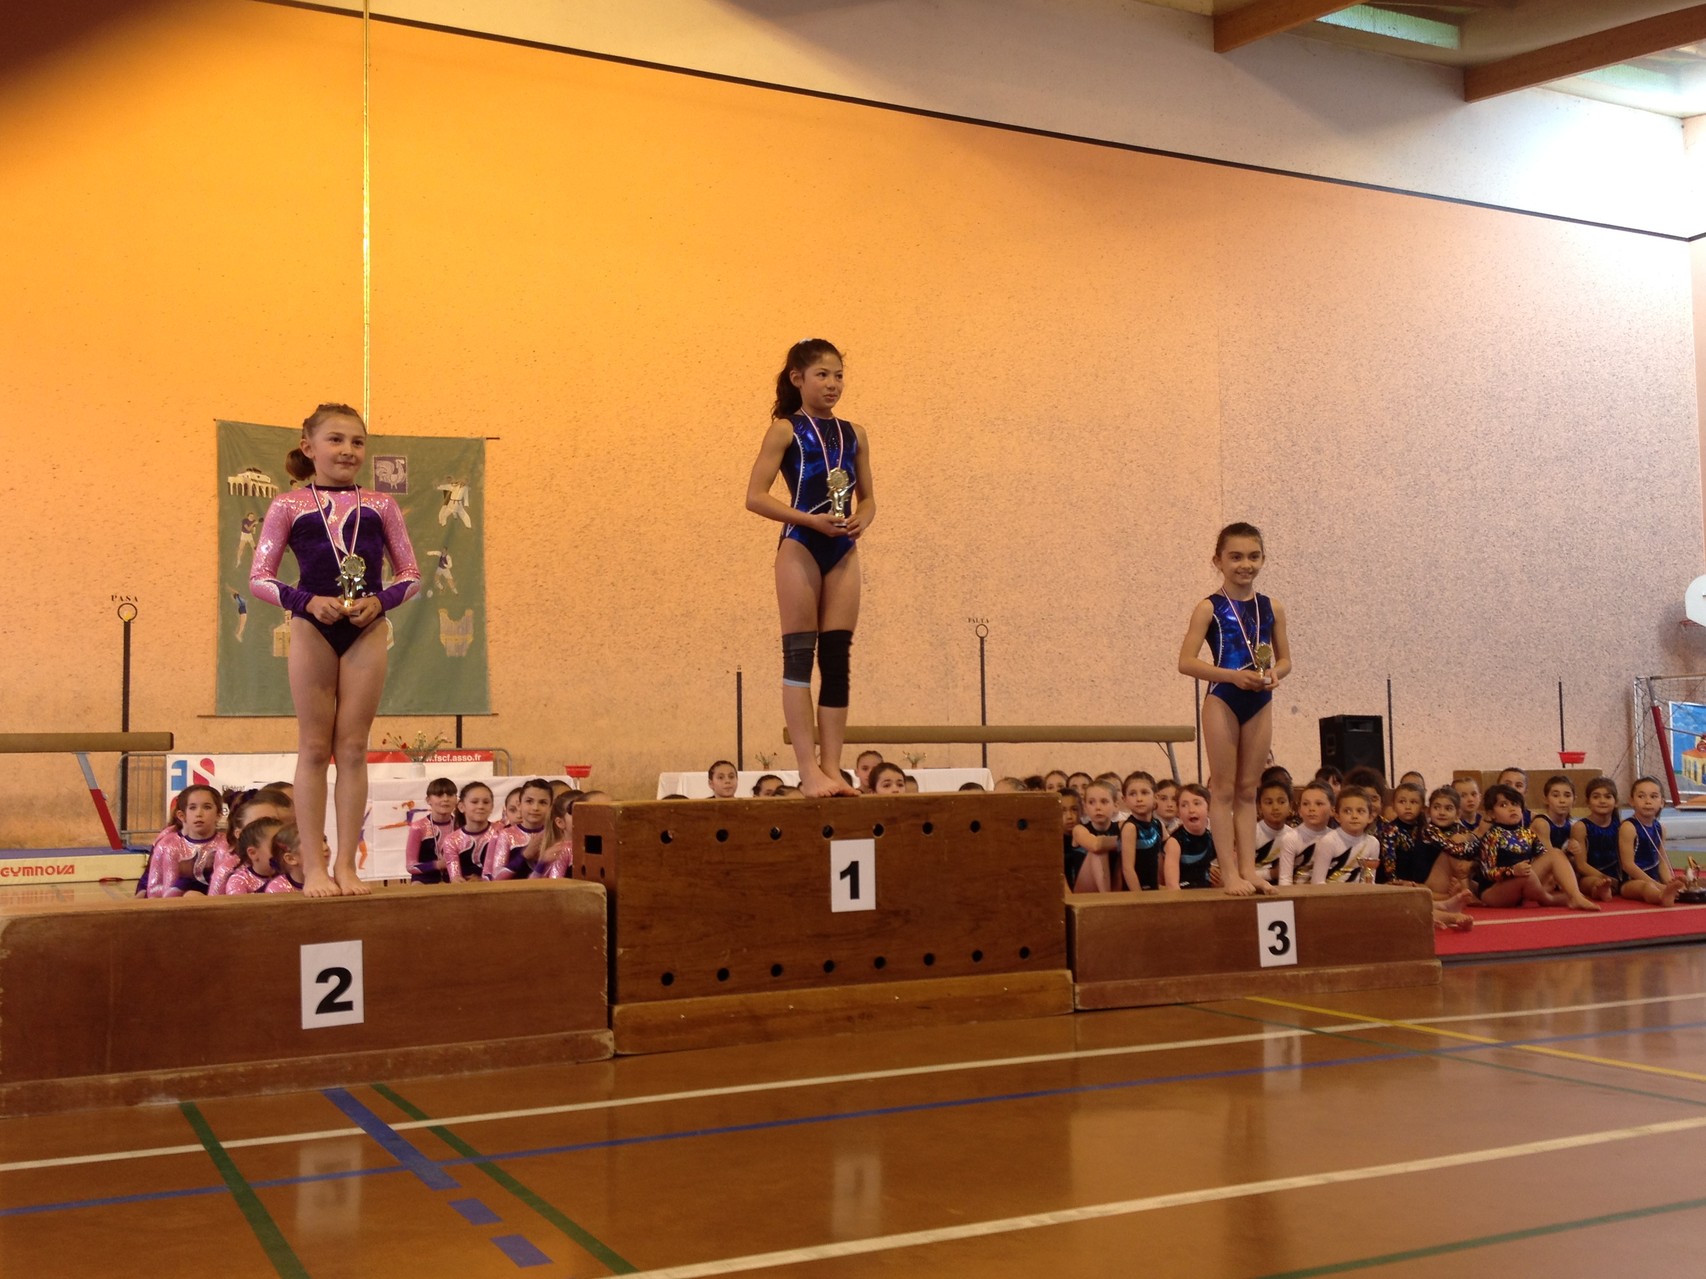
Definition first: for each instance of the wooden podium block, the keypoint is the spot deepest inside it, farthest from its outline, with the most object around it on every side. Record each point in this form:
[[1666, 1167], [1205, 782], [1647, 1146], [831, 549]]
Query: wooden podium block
[[739, 921], [196, 997], [1131, 949]]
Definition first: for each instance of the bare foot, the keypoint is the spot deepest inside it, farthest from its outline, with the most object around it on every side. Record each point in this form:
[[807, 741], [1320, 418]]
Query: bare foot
[[1238, 888], [1667, 895], [317, 883], [1454, 920], [820, 785], [349, 883], [1456, 902], [1264, 886], [1578, 902], [1602, 891]]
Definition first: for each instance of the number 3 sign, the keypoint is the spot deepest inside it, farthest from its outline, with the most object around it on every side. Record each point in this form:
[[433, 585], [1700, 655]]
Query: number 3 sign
[[1276, 933], [331, 985]]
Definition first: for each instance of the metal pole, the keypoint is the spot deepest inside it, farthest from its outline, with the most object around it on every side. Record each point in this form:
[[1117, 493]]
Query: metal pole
[[1196, 696], [458, 732], [983, 685], [1391, 750], [126, 615], [740, 724], [1561, 744]]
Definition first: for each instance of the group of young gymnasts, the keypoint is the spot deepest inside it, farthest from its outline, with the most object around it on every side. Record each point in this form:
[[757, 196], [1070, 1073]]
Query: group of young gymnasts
[[1235, 641]]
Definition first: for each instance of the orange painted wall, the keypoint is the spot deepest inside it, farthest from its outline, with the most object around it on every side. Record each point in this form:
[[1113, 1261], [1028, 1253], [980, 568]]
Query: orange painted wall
[[1074, 363]]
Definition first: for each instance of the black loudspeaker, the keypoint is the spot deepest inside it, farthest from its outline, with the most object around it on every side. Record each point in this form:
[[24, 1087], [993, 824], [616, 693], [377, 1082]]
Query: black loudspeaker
[[1350, 741]]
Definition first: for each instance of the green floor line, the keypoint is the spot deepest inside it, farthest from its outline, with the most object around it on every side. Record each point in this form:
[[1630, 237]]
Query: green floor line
[[267, 1233], [1462, 1054], [587, 1240], [1487, 1241]]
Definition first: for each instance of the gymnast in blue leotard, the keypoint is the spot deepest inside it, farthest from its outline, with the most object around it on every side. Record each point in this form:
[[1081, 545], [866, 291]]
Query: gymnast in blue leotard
[[1247, 657], [825, 461]]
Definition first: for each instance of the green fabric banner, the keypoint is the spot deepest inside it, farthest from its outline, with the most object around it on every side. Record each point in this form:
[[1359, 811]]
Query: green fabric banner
[[438, 639]]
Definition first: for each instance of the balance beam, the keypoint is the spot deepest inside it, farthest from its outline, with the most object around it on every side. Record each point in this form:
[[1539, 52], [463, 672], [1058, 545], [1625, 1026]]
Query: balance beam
[[81, 743], [87, 1020], [1191, 946], [749, 920], [1163, 735]]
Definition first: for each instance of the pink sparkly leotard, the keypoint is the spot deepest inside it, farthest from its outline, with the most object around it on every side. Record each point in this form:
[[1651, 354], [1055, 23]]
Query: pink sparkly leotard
[[298, 520], [506, 854], [163, 877]]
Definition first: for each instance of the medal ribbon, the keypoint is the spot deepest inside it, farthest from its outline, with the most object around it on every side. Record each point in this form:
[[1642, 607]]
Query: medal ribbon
[[840, 442], [1239, 618]]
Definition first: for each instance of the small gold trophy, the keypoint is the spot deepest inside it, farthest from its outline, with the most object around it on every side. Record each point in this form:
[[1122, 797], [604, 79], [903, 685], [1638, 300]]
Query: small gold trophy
[[1263, 658], [352, 580], [840, 489]]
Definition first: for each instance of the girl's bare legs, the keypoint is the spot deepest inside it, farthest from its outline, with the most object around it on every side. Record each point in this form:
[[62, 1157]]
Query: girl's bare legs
[[1221, 743], [1645, 890], [1255, 737], [314, 690], [1559, 874], [361, 679], [809, 602]]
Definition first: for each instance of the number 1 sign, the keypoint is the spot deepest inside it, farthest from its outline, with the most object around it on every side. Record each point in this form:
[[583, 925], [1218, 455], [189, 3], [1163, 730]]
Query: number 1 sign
[[331, 985], [852, 874]]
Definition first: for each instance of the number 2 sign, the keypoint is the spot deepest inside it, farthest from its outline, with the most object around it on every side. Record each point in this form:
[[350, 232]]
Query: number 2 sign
[[331, 985]]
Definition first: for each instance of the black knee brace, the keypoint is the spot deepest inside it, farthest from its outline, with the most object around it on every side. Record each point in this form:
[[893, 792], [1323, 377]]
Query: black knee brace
[[797, 658], [834, 649]]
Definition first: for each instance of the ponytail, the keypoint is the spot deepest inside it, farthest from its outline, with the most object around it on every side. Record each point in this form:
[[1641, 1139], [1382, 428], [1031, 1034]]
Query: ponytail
[[298, 467], [801, 356]]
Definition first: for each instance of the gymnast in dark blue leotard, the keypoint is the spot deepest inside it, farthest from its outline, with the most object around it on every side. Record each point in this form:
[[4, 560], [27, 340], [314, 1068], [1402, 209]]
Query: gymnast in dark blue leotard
[[1247, 656], [825, 461]]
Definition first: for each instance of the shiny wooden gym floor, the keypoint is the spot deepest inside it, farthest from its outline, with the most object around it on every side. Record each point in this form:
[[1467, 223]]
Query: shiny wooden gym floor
[[1532, 1118]]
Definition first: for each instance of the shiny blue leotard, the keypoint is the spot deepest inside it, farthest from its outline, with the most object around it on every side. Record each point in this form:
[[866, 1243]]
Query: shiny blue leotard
[[1235, 627], [819, 446]]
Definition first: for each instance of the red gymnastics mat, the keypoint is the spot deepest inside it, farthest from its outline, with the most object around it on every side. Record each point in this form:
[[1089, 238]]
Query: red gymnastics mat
[[1532, 930]]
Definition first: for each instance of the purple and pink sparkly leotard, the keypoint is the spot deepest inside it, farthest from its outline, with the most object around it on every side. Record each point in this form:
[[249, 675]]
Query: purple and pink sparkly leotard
[[299, 519]]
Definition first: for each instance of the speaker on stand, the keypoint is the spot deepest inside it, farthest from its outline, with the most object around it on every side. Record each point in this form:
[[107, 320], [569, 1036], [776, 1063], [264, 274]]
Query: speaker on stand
[[1350, 741]]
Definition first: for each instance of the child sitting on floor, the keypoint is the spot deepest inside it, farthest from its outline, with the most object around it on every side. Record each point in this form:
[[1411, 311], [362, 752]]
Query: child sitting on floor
[[1167, 804], [420, 850], [287, 858], [255, 867], [1297, 844], [1348, 853], [1647, 873], [1141, 836], [1593, 843], [1273, 819], [1188, 858], [1097, 836], [1514, 866], [1403, 858]]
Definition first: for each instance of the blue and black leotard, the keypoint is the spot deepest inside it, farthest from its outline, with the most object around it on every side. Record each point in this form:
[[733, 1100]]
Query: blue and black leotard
[[1234, 629], [818, 447]]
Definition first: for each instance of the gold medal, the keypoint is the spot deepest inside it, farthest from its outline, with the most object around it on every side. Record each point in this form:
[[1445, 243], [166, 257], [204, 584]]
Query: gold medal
[[352, 579], [840, 487], [1263, 656]]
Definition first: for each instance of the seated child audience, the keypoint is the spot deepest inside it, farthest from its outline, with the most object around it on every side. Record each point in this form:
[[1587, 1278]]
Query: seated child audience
[[887, 779], [1348, 853], [1075, 857], [287, 858], [1167, 803], [1141, 836], [1079, 782], [1468, 803], [1297, 844], [911, 784], [1647, 873], [462, 853], [767, 786], [724, 778], [1054, 781], [1097, 837], [1273, 818], [420, 851], [868, 759], [1403, 859], [1187, 857], [1594, 843], [506, 852], [552, 852], [1514, 866], [1010, 786], [253, 807], [255, 867], [968, 786], [190, 840]]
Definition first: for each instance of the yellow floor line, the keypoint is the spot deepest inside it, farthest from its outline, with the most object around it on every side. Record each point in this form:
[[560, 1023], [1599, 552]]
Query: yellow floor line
[[1541, 1049]]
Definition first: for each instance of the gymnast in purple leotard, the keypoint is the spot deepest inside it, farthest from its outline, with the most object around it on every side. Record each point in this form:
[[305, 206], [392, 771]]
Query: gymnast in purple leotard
[[825, 461], [338, 533], [1245, 633]]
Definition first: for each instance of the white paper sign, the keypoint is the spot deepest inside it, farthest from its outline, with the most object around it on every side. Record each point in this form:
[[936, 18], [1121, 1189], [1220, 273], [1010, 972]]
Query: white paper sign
[[331, 985], [852, 874], [1276, 933]]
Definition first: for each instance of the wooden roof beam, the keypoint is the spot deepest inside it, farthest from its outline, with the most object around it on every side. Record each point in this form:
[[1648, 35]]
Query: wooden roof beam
[[1267, 18], [1584, 53]]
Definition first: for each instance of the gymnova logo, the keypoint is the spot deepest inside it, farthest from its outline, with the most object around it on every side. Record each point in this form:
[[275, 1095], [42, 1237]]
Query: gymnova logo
[[40, 868]]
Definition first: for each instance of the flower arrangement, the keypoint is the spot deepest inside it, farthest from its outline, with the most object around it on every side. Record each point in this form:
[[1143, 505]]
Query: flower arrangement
[[420, 750]]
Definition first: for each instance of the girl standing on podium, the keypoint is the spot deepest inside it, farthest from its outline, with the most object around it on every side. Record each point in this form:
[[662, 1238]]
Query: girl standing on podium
[[1245, 634], [826, 463], [338, 533]]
